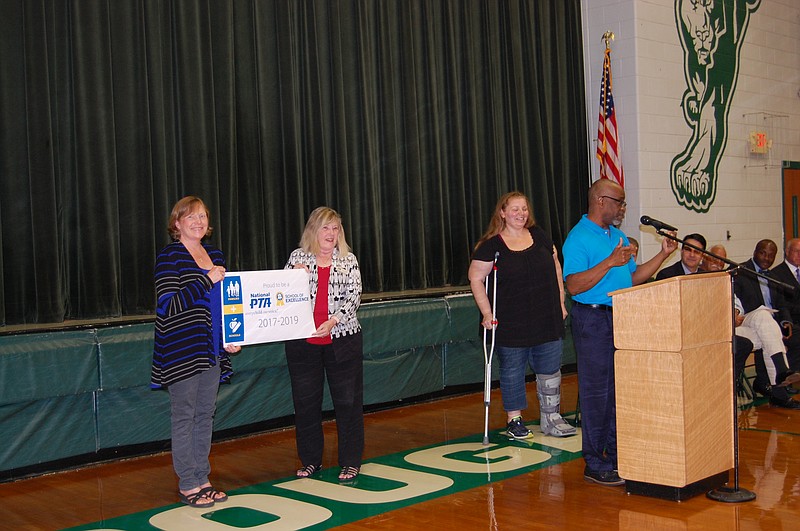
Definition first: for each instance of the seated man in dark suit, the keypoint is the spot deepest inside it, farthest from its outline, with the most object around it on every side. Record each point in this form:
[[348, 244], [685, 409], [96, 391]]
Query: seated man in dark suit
[[788, 272], [690, 258], [756, 293]]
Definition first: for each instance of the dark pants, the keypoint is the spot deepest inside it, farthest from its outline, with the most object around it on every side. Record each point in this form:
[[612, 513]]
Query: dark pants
[[793, 351], [593, 335], [742, 347], [342, 362], [793, 359]]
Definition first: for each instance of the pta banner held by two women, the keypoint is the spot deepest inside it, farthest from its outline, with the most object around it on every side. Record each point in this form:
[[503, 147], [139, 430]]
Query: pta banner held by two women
[[266, 306]]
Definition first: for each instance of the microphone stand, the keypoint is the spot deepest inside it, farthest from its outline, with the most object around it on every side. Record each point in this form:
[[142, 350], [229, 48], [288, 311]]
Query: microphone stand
[[734, 494]]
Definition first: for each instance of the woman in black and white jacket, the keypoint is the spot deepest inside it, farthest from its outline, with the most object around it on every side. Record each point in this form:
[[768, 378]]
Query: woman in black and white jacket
[[334, 350]]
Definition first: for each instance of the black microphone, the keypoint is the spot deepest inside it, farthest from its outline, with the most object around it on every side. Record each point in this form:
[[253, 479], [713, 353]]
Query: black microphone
[[658, 225]]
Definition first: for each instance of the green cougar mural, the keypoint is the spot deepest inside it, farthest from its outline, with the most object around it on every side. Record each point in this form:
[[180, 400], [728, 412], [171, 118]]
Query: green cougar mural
[[711, 32]]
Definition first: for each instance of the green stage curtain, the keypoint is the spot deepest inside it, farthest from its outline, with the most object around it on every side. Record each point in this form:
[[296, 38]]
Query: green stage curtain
[[410, 117]]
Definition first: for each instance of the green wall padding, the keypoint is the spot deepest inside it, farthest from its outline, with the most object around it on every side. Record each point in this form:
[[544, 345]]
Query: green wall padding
[[465, 363], [70, 393], [253, 357], [125, 354], [465, 320], [132, 415], [398, 325], [402, 374], [254, 396], [39, 366], [45, 430]]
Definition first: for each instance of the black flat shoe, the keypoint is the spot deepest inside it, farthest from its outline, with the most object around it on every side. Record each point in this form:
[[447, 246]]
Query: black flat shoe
[[787, 403], [609, 478], [763, 390]]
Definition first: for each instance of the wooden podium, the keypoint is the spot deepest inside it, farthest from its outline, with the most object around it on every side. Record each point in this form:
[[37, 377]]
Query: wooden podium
[[674, 385]]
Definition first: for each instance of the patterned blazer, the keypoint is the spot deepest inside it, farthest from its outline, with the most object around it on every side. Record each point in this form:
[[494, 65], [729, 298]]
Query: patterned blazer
[[344, 288]]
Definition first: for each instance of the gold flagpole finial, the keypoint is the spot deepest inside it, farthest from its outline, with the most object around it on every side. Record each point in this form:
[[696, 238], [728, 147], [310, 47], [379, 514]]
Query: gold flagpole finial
[[607, 36]]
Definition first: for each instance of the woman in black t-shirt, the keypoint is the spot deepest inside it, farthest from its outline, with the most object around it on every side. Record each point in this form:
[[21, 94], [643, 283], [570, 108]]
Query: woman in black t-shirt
[[530, 312]]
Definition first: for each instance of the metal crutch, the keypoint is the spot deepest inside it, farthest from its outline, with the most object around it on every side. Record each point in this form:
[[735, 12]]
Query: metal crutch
[[487, 354]]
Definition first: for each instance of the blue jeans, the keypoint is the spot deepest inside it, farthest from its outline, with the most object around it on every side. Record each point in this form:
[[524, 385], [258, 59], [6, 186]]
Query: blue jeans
[[593, 334], [543, 359]]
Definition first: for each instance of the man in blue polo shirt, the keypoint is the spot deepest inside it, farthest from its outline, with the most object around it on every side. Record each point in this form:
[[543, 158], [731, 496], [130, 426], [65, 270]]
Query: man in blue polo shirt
[[598, 260]]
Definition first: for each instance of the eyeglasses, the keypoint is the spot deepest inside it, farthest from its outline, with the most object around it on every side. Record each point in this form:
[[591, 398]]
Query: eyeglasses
[[620, 202]]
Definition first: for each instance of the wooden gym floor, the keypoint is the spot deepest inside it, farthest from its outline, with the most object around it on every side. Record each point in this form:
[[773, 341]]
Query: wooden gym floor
[[539, 497]]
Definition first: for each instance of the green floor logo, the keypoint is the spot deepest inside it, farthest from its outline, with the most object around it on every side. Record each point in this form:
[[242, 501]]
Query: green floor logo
[[387, 483], [711, 32]]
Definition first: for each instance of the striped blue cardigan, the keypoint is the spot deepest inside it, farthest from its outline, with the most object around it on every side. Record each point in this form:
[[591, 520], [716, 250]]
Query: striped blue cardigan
[[183, 343]]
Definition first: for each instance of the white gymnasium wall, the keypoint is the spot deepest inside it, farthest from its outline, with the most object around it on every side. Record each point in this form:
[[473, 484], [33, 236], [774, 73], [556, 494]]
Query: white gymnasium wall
[[648, 77]]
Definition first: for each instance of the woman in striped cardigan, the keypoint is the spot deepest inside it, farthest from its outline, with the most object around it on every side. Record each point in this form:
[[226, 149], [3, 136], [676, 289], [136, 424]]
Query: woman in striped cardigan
[[188, 355]]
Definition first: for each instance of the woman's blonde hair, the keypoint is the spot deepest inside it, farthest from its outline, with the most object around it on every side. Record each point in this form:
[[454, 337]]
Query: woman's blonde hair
[[497, 223], [317, 219], [183, 208]]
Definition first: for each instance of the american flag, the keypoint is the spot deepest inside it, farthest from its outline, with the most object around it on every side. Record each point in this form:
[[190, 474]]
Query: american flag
[[607, 140]]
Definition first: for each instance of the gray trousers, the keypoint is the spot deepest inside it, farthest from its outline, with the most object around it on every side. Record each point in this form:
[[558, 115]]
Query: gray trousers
[[192, 405]]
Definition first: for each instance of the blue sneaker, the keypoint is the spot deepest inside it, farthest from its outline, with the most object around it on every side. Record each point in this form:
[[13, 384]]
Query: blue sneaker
[[517, 430]]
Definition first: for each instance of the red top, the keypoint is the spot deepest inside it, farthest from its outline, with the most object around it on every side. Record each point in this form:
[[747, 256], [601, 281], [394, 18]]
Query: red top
[[321, 305]]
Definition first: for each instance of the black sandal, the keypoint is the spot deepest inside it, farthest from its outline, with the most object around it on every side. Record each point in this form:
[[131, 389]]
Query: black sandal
[[349, 473], [194, 499], [211, 494], [308, 470]]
